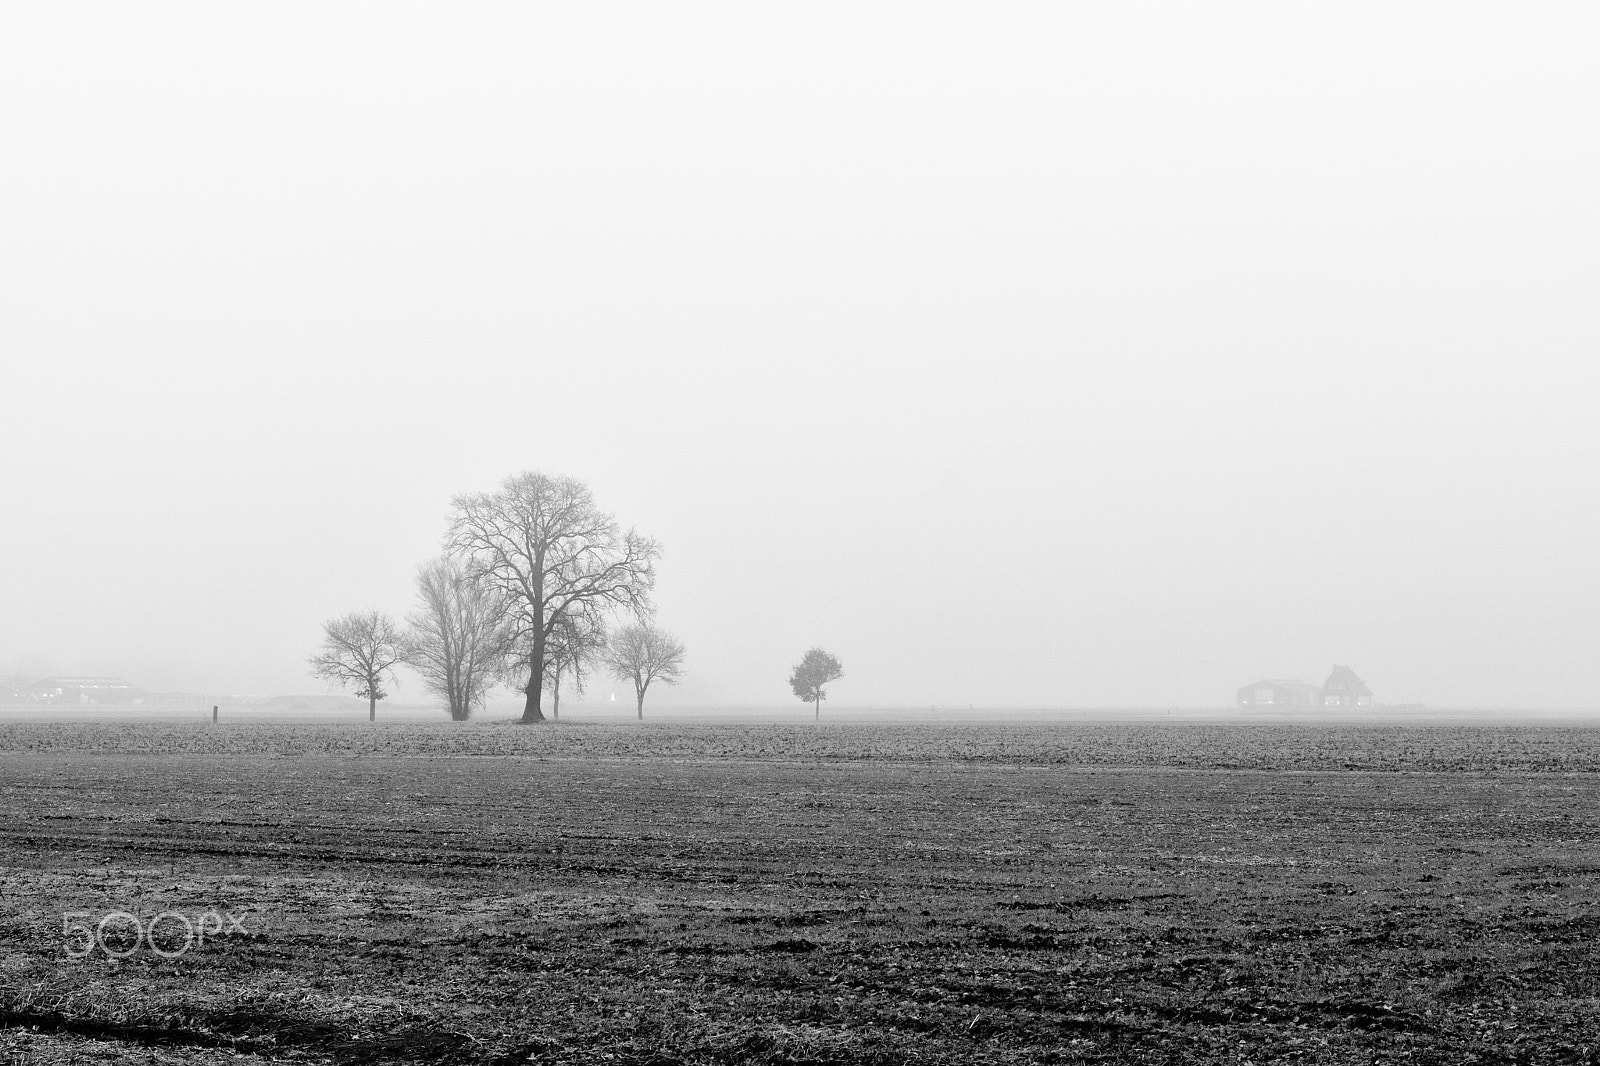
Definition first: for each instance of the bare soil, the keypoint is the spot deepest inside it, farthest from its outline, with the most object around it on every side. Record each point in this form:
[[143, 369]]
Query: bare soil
[[775, 894]]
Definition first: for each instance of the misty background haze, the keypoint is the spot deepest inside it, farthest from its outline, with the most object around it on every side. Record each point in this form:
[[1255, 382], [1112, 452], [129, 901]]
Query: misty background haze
[[1050, 355]]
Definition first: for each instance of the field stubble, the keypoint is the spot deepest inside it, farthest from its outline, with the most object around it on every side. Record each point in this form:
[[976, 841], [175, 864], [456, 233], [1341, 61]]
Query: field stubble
[[726, 894]]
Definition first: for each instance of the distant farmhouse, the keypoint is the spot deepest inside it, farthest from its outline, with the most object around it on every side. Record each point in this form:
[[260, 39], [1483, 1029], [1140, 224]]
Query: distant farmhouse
[[1278, 693], [1342, 689], [84, 690]]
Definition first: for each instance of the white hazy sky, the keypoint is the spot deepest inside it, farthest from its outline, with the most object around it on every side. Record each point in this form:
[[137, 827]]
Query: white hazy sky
[[1034, 354]]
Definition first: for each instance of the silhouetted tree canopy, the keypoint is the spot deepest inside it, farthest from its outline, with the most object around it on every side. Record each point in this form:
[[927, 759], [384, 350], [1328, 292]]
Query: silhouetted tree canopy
[[812, 673]]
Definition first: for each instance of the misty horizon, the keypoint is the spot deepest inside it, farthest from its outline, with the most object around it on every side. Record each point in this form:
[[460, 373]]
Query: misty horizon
[[1081, 359]]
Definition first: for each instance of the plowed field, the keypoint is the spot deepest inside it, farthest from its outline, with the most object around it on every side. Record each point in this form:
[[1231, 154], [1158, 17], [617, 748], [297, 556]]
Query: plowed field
[[775, 894]]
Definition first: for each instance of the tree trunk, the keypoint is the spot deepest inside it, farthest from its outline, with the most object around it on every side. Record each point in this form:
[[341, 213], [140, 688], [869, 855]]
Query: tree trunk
[[372, 707], [638, 694], [818, 702], [535, 689], [530, 709], [460, 706]]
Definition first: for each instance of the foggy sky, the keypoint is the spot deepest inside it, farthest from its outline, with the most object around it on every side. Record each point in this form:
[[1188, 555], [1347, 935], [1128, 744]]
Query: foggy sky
[[1088, 355]]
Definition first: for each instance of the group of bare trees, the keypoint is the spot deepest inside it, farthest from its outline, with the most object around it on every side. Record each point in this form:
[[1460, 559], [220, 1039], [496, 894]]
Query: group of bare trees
[[530, 590]]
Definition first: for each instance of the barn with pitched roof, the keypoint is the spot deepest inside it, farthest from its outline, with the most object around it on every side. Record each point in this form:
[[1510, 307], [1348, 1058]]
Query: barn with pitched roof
[[1344, 689]]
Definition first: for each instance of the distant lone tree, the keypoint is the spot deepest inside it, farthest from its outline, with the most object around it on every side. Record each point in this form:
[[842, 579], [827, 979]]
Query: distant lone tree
[[642, 654], [456, 638], [358, 652], [815, 671], [551, 555]]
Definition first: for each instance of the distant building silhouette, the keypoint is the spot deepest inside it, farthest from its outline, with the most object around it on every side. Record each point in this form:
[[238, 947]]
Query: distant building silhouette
[[1280, 693], [94, 690], [1342, 689]]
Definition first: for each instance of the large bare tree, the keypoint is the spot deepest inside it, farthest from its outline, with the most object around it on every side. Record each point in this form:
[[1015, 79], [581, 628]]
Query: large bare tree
[[642, 654], [358, 652], [812, 674], [552, 555], [456, 638]]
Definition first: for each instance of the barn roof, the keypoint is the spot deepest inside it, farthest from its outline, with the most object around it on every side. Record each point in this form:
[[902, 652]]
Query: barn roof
[[1344, 679]]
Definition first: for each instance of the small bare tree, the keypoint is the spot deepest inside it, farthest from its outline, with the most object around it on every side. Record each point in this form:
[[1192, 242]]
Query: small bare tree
[[358, 652], [642, 654], [816, 670], [575, 643], [550, 553], [456, 638]]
